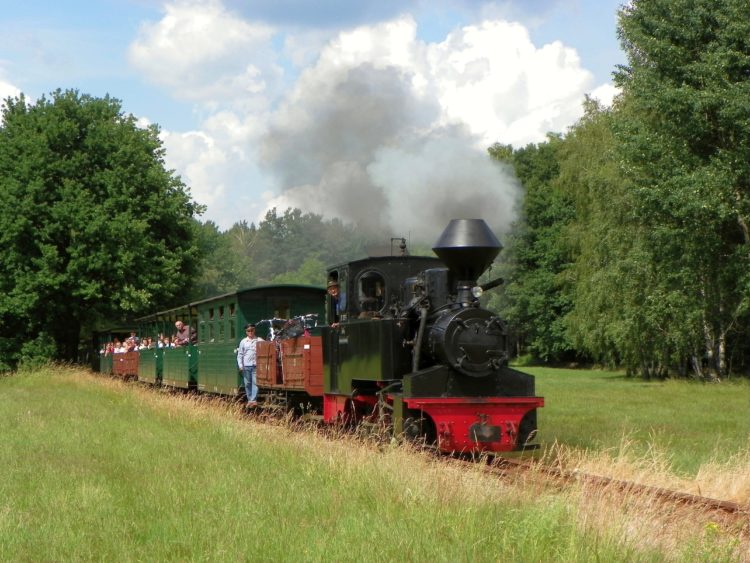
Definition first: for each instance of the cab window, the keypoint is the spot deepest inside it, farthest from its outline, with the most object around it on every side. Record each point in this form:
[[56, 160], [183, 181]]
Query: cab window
[[371, 292]]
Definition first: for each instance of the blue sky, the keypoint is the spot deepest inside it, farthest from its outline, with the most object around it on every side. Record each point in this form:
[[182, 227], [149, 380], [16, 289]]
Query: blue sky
[[333, 106]]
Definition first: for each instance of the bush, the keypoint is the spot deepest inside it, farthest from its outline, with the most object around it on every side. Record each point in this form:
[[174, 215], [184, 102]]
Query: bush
[[38, 352], [524, 360]]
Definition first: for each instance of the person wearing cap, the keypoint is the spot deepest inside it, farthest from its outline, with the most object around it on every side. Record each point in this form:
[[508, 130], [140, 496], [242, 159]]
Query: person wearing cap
[[337, 301], [246, 362]]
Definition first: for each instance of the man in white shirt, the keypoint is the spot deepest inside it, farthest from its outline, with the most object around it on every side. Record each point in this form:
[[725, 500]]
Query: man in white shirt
[[246, 362]]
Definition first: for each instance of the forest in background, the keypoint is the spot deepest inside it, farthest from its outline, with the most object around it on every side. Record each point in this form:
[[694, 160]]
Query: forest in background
[[632, 248]]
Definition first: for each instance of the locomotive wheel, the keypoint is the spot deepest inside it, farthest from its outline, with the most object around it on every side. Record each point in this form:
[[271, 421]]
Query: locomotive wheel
[[419, 429], [348, 417], [527, 429]]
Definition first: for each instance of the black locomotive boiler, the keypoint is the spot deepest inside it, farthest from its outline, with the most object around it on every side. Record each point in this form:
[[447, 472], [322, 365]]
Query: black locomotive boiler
[[414, 347]]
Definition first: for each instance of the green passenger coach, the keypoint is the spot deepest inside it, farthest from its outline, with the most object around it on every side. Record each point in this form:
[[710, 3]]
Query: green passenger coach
[[209, 362], [221, 321]]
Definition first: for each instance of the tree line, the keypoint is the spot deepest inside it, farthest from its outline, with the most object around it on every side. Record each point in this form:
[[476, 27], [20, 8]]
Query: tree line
[[632, 248], [284, 247]]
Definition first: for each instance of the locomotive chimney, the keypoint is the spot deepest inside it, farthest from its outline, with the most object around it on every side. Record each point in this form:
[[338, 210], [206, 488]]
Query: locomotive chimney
[[467, 247]]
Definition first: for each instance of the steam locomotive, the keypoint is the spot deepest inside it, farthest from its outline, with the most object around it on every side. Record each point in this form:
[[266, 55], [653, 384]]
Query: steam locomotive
[[411, 348], [414, 347]]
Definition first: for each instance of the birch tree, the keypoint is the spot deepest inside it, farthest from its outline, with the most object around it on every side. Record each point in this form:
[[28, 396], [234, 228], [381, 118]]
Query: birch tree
[[683, 137]]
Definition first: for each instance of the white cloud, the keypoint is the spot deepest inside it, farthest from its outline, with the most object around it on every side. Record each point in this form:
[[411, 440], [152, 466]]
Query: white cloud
[[216, 164], [7, 89], [202, 52], [388, 44], [196, 155], [302, 47], [488, 77], [493, 79], [605, 93]]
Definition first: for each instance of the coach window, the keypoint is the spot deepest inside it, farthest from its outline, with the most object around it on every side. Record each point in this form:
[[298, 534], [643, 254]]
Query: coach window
[[220, 336], [232, 322], [281, 309], [371, 292]]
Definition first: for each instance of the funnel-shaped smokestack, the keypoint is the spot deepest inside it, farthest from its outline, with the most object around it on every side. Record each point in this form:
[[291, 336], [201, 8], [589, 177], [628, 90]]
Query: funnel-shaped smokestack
[[467, 247]]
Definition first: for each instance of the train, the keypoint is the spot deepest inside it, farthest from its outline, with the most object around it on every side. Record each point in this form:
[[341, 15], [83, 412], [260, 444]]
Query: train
[[406, 345]]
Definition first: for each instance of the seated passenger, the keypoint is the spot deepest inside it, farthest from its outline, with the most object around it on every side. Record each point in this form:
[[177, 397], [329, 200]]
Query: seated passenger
[[185, 335]]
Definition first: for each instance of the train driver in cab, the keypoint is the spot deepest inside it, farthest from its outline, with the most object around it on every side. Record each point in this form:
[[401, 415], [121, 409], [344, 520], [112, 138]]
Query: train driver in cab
[[338, 301]]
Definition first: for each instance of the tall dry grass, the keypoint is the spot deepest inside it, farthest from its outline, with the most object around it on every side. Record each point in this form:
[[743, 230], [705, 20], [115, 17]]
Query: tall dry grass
[[725, 479]]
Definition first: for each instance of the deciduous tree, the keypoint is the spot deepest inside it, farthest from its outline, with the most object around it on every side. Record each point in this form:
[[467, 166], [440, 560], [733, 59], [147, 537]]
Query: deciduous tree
[[683, 138], [536, 297], [92, 224]]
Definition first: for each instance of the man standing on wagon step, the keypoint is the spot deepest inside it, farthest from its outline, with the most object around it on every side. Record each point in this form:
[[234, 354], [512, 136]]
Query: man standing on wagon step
[[246, 362]]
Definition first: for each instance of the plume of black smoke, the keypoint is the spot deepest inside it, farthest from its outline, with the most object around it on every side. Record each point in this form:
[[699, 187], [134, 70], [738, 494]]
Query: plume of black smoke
[[360, 144]]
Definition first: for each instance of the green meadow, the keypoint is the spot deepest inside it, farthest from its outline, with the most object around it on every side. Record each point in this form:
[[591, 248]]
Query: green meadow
[[94, 469], [688, 423]]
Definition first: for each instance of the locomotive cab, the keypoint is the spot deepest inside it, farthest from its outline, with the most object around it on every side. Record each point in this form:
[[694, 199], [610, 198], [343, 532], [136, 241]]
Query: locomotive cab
[[364, 294], [366, 347]]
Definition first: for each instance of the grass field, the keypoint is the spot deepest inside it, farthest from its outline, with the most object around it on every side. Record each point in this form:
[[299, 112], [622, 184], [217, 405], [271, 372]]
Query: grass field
[[94, 469], [686, 424]]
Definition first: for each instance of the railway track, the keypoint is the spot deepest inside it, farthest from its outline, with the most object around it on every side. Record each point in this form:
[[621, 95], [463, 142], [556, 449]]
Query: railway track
[[501, 466]]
